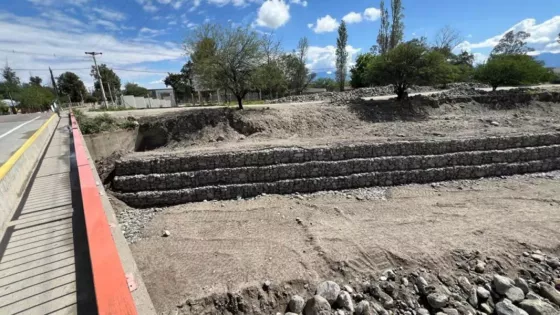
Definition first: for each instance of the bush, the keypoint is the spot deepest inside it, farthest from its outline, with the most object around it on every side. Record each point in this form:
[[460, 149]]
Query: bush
[[4, 109], [501, 70], [101, 123]]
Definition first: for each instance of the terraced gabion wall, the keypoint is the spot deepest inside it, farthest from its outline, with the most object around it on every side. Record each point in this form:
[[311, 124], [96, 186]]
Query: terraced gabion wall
[[174, 163], [174, 180]]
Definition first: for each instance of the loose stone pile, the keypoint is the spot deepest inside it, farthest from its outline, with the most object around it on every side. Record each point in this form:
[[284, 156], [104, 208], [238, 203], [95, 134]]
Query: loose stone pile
[[171, 180], [478, 285], [342, 97]]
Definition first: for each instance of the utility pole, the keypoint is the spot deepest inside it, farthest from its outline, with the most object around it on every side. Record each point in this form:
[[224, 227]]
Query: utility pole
[[93, 54], [111, 94]]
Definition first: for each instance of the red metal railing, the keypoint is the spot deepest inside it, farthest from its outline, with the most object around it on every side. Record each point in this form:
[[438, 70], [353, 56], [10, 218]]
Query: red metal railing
[[111, 289]]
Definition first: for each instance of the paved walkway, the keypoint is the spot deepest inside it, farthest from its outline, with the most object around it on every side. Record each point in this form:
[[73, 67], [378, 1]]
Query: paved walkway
[[42, 264]]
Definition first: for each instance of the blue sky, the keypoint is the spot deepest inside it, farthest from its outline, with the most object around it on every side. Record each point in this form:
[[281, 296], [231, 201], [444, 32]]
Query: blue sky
[[142, 38]]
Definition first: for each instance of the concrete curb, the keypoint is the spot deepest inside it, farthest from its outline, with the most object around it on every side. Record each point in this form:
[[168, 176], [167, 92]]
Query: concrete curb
[[15, 173]]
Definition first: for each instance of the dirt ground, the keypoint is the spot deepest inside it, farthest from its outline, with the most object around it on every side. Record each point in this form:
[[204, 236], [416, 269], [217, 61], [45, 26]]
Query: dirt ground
[[220, 247]]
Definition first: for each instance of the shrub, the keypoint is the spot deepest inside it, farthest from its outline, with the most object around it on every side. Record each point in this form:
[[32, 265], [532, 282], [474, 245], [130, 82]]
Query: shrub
[[513, 70]]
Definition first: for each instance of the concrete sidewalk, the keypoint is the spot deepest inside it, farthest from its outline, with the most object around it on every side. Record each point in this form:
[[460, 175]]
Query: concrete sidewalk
[[42, 265]]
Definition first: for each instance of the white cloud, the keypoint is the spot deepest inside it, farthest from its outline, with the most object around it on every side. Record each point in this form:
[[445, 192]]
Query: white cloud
[[480, 58], [64, 46], [273, 14], [58, 2], [147, 5], [107, 24], [300, 2], [372, 14], [329, 72], [542, 38], [320, 59], [150, 33], [177, 5], [469, 36], [237, 3], [164, 1], [352, 17], [110, 14], [326, 24], [310, 25]]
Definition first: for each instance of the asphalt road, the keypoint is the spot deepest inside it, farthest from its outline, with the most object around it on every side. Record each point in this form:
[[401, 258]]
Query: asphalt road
[[16, 129]]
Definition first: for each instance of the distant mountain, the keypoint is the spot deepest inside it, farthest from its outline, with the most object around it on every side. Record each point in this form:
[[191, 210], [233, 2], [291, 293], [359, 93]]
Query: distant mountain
[[325, 75], [550, 60]]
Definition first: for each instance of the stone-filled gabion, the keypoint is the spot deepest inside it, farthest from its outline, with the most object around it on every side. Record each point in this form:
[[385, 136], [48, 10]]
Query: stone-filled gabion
[[276, 172], [175, 180], [308, 185], [177, 163]]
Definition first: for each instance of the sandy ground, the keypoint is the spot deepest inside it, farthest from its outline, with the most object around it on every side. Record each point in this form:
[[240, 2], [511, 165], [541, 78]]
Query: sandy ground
[[218, 247]]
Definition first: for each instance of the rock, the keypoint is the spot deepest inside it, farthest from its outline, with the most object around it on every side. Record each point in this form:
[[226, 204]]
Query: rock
[[344, 301], [505, 307], [296, 304], [298, 220], [364, 308], [522, 284], [390, 274], [464, 284], [437, 300], [549, 292], [422, 285], [554, 263], [532, 296], [404, 281], [502, 284], [290, 313], [526, 254], [473, 297], [266, 285], [166, 233], [378, 308], [317, 305], [515, 294], [220, 138], [537, 257], [348, 289], [422, 311], [486, 308], [480, 267], [537, 307], [329, 290], [482, 293], [494, 123], [450, 311]]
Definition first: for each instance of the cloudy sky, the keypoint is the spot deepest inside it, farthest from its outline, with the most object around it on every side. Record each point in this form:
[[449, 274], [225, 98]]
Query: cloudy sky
[[141, 39]]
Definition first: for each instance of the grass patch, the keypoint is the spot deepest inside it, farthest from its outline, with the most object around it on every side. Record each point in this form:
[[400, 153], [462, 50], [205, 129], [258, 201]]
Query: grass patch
[[102, 123]]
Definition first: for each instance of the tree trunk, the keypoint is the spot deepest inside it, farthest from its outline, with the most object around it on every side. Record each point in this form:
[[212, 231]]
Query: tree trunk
[[239, 101], [494, 87]]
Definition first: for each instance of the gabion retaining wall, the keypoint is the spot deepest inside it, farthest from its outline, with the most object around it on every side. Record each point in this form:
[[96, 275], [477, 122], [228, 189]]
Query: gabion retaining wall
[[307, 185], [174, 164], [277, 172]]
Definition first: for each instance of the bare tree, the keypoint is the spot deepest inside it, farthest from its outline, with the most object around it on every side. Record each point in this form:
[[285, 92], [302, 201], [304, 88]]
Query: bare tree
[[447, 38], [231, 54], [383, 36]]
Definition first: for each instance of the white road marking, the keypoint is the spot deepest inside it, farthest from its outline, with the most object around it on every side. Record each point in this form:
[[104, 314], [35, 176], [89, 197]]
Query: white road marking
[[17, 127]]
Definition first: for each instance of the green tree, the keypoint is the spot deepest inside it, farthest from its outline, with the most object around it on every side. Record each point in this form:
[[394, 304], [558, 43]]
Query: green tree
[[35, 80], [383, 36], [237, 53], [70, 84], [513, 70], [34, 98], [359, 74], [464, 58], [302, 77], [410, 63], [397, 27], [512, 44], [135, 89], [11, 85], [325, 83], [341, 56], [10, 76], [109, 77], [269, 77]]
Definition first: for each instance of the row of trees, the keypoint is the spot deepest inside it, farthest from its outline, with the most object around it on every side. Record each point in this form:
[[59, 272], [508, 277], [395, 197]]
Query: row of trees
[[417, 62], [239, 60], [34, 96]]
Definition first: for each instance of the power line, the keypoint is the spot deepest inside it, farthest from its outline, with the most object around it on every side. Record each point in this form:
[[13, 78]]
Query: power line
[[74, 69], [38, 54]]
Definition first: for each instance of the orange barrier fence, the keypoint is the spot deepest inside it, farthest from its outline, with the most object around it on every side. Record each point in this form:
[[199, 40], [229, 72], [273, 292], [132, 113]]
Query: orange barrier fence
[[111, 289]]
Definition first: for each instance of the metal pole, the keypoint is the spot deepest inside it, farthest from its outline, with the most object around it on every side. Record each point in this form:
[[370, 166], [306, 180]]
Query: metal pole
[[93, 54], [111, 94]]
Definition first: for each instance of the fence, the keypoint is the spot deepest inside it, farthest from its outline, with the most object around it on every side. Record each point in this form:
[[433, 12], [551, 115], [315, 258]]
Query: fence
[[141, 102]]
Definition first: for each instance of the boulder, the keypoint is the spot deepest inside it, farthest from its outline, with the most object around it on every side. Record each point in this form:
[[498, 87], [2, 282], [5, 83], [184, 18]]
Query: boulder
[[296, 304], [515, 294], [549, 292], [317, 305], [437, 300], [482, 293], [344, 301], [329, 290], [364, 308], [502, 284], [505, 307], [522, 284], [538, 307]]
